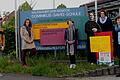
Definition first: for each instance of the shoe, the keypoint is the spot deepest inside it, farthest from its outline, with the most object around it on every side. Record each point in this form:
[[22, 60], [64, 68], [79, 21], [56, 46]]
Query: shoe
[[74, 66], [71, 66], [118, 75], [91, 63], [110, 65]]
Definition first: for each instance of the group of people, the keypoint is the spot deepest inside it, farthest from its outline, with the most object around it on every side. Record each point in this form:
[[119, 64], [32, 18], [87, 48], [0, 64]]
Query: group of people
[[104, 24]]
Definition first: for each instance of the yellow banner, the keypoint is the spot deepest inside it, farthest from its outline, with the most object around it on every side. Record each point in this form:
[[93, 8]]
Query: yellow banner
[[36, 28], [100, 44]]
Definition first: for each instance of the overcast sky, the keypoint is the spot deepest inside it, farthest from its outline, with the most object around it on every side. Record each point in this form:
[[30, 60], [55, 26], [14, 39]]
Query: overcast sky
[[8, 5]]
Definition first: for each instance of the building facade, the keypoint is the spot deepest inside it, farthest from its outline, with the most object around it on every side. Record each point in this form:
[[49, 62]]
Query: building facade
[[111, 6]]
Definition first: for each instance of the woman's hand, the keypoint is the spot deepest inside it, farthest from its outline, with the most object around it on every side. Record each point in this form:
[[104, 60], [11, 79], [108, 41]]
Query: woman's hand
[[29, 42], [71, 42]]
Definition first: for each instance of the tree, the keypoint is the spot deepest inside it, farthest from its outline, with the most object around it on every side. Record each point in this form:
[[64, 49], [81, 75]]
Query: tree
[[25, 7], [61, 6], [9, 30]]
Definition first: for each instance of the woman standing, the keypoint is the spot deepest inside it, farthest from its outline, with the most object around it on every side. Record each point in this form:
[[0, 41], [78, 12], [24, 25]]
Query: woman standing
[[71, 42], [27, 40], [116, 37], [90, 28], [105, 22]]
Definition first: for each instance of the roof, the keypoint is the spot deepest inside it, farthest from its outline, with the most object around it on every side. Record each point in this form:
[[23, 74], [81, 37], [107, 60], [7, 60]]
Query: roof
[[99, 2]]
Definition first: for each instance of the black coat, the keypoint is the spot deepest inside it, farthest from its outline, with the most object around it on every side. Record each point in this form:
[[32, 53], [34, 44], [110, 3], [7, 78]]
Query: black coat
[[115, 43], [115, 36], [89, 25], [107, 26]]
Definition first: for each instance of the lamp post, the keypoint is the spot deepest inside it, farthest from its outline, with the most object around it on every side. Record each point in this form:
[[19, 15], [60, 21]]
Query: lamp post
[[53, 4], [16, 31], [96, 14]]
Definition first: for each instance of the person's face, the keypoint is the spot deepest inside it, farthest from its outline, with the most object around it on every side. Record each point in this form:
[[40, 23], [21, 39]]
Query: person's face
[[27, 23], [91, 15], [102, 14], [70, 23], [118, 21]]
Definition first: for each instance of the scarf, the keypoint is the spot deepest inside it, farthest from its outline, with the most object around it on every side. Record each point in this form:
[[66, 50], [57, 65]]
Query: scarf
[[103, 20], [70, 48]]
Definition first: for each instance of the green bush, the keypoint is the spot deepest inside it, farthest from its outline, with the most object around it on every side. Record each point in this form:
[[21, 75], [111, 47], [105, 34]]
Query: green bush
[[9, 29]]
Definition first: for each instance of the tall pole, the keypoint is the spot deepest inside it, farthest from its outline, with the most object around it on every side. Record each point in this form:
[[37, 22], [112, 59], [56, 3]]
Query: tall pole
[[54, 47], [119, 10], [53, 4], [16, 37], [31, 3], [96, 14]]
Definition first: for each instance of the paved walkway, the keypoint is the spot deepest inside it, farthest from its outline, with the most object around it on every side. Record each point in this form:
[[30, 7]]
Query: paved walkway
[[29, 77], [97, 78], [25, 77]]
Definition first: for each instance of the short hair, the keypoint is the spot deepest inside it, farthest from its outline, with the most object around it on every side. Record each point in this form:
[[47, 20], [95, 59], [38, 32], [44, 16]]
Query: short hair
[[71, 21], [103, 10], [118, 17], [92, 13], [30, 23]]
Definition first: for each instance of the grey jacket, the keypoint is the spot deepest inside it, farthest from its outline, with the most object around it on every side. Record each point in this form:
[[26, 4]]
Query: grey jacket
[[27, 42]]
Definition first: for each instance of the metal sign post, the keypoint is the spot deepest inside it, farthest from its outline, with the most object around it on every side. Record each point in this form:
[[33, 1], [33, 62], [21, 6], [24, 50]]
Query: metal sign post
[[16, 28], [53, 4], [96, 14]]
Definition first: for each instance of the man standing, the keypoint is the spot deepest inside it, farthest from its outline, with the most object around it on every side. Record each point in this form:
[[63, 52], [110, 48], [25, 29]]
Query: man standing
[[90, 28]]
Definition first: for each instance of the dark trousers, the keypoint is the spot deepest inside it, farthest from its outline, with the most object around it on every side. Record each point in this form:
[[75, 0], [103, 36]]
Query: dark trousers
[[118, 54], [115, 50], [91, 56], [72, 59], [24, 53]]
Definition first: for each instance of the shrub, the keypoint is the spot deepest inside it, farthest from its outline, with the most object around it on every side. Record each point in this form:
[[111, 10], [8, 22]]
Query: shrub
[[9, 30]]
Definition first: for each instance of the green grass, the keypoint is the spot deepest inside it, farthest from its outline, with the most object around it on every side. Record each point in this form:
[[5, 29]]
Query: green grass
[[42, 66]]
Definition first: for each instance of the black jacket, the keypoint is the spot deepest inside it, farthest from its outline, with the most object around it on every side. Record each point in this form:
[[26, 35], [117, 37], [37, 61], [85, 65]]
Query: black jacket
[[115, 42], [115, 36], [89, 25], [107, 26]]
